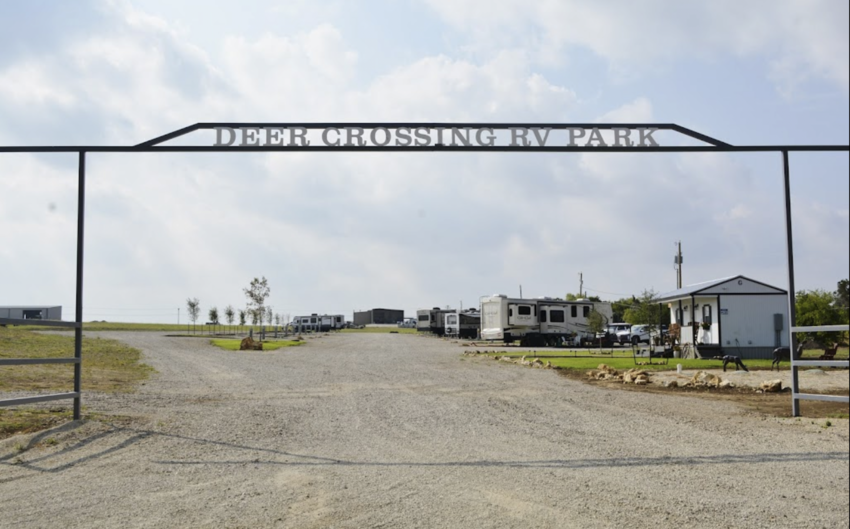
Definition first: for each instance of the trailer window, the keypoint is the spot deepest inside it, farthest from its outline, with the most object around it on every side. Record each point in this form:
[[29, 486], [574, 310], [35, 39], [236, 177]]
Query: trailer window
[[524, 310], [574, 311], [543, 315], [423, 317], [557, 316], [586, 311], [451, 319]]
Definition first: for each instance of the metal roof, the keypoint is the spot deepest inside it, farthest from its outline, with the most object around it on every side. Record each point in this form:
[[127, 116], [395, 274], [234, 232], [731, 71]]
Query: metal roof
[[696, 288]]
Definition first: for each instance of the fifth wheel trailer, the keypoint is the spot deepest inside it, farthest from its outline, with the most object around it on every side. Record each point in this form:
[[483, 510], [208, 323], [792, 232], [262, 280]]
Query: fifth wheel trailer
[[463, 323], [539, 321]]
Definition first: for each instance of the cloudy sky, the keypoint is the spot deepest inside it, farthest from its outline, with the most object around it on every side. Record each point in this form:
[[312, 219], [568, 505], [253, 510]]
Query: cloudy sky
[[345, 231]]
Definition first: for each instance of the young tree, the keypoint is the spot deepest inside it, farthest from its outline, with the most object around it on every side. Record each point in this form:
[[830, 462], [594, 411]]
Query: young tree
[[194, 307], [242, 317], [229, 314], [269, 315], [277, 319], [842, 295], [647, 311], [598, 323], [257, 293], [213, 315]]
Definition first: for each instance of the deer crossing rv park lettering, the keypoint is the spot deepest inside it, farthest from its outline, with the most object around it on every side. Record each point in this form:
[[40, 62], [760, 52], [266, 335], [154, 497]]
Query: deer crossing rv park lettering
[[434, 136]]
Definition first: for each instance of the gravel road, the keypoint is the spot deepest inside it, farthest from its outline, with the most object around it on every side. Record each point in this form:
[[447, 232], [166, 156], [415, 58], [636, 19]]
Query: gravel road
[[396, 430]]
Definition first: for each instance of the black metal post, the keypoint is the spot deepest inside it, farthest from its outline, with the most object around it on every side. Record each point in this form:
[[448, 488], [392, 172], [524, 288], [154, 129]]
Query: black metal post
[[78, 331], [792, 309]]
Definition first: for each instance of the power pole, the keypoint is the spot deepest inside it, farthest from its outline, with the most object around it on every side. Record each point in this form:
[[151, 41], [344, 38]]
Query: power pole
[[677, 261], [580, 285]]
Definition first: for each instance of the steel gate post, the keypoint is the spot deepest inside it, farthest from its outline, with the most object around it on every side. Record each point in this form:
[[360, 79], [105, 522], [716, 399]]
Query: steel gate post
[[78, 331]]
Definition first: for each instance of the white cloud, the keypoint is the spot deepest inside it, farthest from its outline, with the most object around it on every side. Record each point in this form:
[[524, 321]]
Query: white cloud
[[335, 232]]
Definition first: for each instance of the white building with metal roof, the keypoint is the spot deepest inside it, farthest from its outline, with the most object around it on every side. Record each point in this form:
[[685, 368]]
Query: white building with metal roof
[[733, 315]]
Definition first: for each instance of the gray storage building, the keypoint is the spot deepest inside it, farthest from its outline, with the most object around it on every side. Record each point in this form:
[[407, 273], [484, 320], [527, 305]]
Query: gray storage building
[[379, 316], [31, 312]]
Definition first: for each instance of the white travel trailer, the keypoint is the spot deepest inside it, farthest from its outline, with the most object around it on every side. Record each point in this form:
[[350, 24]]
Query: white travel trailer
[[318, 323], [540, 321], [432, 320], [463, 323]]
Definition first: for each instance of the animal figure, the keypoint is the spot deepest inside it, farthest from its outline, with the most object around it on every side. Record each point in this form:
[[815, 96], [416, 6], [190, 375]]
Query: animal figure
[[729, 359], [784, 353]]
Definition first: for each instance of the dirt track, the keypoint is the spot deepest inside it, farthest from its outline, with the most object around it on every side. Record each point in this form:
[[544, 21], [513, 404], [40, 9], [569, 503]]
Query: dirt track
[[395, 430]]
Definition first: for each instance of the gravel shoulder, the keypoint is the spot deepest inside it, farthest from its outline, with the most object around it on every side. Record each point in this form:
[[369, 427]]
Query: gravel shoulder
[[395, 430]]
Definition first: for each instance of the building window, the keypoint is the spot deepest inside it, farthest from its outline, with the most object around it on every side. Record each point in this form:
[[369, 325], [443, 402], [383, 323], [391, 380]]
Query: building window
[[543, 316]]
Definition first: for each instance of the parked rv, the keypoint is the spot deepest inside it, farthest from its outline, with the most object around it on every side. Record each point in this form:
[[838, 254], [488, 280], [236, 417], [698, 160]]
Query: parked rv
[[318, 323], [540, 321], [463, 323], [432, 320]]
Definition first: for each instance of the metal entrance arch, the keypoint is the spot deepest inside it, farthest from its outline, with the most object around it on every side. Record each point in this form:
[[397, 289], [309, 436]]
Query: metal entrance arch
[[419, 137]]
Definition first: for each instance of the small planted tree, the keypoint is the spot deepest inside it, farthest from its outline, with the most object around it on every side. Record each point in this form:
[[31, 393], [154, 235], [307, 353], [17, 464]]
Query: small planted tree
[[213, 315], [242, 318], [194, 308], [598, 324], [269, 315], [257, 293], [229, 314]]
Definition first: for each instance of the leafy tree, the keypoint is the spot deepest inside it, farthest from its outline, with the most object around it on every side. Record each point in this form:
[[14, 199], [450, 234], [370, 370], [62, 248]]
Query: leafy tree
[[269, 315], [575, 297], [257, 293], [277, 319], [647, 311], [619, 308], [598, 323], [194, 307], [842, 295], [213, 314], [242, 317], [229, 314], [818, 307]]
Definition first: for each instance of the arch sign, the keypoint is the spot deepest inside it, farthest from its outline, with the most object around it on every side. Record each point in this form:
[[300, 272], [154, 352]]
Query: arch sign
[[413, 137]]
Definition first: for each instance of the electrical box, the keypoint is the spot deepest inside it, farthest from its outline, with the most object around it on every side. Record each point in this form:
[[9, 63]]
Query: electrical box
[[777, 322]]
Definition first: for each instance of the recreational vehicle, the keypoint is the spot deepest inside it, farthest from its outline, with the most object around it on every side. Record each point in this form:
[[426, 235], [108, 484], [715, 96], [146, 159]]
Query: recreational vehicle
[[432, 320], [540, 321], [463, 323], [318, 323]]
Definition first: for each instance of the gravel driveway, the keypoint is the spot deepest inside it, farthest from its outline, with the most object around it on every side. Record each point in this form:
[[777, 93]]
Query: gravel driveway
[[396, 430]]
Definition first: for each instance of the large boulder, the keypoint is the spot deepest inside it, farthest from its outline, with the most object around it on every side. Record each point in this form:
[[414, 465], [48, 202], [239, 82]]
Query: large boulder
[[249, 344]]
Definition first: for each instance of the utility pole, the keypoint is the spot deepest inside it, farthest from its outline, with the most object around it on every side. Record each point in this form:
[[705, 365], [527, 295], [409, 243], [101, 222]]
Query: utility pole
[[520, 292], [580, 285], [677, 262], [178, 315]]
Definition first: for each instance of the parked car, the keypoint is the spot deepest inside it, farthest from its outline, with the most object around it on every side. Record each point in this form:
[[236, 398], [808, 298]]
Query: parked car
[[645, 333], [614, 329]]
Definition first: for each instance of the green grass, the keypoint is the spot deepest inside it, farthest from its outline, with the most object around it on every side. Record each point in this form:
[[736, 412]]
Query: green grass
[[14, 422], [233, 345], [571, 360], [108, 366]]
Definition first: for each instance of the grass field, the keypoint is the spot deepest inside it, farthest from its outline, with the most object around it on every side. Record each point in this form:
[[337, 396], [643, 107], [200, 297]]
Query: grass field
[[622, 359], [233, 345], [109, 366]]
